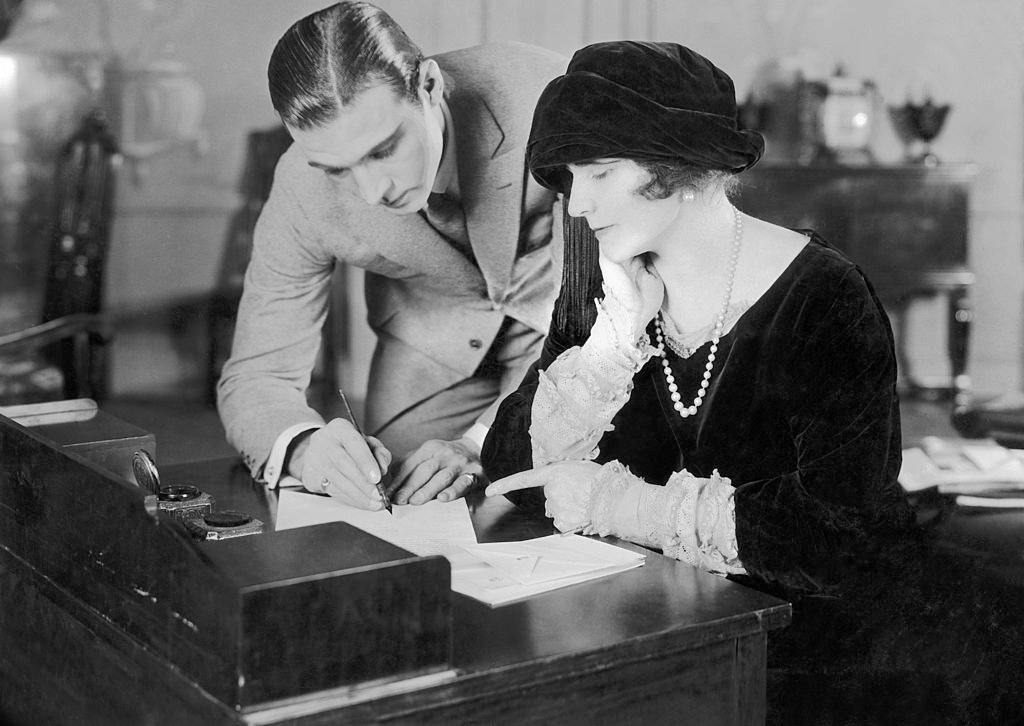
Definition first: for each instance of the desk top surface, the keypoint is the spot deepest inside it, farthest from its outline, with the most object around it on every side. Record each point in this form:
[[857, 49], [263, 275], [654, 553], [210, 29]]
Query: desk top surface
[[665, 599], [100, 618]]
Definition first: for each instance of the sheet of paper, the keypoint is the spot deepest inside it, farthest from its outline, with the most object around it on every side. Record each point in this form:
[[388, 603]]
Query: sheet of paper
[[434, 528], [494, 573], [512, 571]]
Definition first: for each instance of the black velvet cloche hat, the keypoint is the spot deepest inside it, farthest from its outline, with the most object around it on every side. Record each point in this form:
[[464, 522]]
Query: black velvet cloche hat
[[643, 101]]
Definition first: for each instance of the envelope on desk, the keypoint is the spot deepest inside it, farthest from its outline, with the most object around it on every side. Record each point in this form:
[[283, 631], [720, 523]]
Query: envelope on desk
[[552, 558]]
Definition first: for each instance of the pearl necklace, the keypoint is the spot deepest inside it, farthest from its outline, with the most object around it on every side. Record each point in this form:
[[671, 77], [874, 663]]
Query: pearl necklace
[[673, 389]]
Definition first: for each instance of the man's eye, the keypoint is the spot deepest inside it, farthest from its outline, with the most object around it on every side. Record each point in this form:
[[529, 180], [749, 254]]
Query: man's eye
[[336, 172], [383, 153]]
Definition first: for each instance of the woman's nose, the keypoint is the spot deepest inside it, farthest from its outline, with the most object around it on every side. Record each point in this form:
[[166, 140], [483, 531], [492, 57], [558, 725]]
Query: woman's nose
[[580, 203]]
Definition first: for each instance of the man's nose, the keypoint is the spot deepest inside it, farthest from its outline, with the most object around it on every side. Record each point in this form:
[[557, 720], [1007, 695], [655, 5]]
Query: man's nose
[[372, 185]]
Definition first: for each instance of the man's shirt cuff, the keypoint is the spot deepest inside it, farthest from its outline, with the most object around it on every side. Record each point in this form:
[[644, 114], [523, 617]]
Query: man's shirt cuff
[[477, 433], [274, 473]]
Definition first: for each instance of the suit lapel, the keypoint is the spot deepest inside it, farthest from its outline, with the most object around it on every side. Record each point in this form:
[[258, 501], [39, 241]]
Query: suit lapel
[[491, 183]]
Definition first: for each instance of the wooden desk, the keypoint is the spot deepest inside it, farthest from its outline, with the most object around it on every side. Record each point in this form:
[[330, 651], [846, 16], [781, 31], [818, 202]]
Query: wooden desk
[[906, 226], [991, 540], [644, 646]]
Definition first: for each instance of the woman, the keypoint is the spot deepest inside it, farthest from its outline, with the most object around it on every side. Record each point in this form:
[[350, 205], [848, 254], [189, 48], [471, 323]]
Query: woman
[[732, 398], [723, 344]]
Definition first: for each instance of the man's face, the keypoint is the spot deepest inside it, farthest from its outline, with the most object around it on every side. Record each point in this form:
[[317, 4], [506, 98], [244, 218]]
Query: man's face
[[384, 145]]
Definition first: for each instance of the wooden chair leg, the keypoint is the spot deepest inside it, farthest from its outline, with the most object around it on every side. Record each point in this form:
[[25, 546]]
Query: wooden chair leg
[[961, 315]]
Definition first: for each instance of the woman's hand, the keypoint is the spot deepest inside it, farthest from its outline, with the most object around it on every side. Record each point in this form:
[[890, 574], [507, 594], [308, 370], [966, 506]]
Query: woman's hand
[[567, 487], [637, 286]]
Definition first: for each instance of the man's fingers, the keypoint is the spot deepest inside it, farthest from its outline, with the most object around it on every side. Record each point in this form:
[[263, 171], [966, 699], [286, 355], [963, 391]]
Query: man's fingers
[[380, 453], [522, 480], [345, 434], [409, 465], [415, 480], [340, 462], [344, 491], [459, 487], [433, 486], [341, 466]]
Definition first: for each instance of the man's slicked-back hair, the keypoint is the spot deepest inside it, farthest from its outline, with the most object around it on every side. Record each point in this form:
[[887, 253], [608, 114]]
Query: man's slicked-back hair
[[326, 59]]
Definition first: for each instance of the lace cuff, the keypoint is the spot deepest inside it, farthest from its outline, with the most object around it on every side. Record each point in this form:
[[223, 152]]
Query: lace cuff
[[706, 530], [610, 486], [582, 390], [624, 505], [690, 519], [612, 340]]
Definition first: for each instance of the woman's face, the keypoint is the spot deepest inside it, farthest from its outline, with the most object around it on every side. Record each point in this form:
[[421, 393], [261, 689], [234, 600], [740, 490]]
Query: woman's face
[[605, 192]]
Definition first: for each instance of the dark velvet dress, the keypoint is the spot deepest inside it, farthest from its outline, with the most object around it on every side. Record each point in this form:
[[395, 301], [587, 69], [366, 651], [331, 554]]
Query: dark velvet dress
[[802, 415]]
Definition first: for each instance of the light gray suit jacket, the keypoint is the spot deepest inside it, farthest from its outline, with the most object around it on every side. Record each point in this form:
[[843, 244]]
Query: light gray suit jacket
[[434, 312]]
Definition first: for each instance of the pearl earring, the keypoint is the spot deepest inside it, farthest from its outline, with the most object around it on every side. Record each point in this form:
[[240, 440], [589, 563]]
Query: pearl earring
[[688, 195]]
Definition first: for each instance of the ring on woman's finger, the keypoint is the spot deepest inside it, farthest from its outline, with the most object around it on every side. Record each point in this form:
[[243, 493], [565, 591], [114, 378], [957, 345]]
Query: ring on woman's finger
[[324, 483], [472, 478]]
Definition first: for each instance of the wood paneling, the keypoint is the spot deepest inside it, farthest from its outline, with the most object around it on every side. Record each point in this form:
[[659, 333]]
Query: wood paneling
[[559, 26]]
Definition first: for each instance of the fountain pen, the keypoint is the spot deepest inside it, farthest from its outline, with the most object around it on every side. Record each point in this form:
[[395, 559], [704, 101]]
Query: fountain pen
[[380, 482]]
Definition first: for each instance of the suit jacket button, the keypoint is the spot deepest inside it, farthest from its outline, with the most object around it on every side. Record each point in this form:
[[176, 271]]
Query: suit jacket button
[[476, 344]]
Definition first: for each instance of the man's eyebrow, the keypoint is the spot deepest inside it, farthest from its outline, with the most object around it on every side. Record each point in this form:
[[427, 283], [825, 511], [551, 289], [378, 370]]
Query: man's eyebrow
[[382, 145], [326, 167], [385, 143]]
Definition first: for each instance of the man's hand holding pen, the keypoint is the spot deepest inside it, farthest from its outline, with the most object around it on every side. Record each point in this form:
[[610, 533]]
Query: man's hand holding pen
[[338, 460]]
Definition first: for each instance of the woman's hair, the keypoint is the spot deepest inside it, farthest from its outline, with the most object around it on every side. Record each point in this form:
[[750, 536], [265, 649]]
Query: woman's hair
[[326, 59], [667, 178]]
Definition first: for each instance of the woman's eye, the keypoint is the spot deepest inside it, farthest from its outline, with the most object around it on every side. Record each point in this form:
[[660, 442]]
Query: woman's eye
[[600, 175]]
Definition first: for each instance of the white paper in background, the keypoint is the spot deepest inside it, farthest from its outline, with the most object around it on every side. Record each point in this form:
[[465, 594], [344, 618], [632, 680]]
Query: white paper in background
[[961, 466]]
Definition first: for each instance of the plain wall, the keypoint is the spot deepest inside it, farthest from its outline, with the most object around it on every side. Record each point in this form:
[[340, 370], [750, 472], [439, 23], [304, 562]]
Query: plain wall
[[170, 226]]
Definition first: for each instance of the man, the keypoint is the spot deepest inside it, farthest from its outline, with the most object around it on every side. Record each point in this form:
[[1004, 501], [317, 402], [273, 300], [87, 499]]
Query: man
[[412, 169]]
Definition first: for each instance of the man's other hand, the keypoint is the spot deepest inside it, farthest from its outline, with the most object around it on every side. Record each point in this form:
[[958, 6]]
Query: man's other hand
[[443, 470]]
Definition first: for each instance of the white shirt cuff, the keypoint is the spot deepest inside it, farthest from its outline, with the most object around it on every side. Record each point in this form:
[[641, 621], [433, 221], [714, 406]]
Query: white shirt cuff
[[477, 433], [274, 474]]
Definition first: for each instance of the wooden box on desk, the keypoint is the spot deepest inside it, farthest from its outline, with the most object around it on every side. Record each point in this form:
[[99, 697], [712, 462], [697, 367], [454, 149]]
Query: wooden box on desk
[[252, 619], [103, 439], [80, 426]]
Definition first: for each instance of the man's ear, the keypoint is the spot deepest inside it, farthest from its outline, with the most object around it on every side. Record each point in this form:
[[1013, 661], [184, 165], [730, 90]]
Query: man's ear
[[431, 82]]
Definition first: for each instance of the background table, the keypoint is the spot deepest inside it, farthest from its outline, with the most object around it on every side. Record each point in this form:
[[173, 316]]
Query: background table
[[906, 226]]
